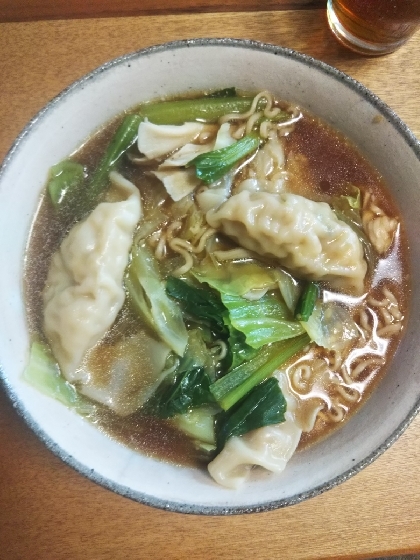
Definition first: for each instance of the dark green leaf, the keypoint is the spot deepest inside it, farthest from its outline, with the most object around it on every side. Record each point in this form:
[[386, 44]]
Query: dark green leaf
[[188, 386], [213, 165], [207, 109], [123, 139], [188, 389], [263, 406], [238, 382], [306, 302], [239, 349], [200, 303]]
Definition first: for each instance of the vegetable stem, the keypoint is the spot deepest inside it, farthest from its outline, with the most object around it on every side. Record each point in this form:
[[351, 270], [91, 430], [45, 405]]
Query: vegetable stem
[[207, 109], [237, 383], [122, 140]]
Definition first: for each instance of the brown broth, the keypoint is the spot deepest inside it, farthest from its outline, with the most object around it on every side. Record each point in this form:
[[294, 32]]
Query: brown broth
[[149, 435], [322, 162]]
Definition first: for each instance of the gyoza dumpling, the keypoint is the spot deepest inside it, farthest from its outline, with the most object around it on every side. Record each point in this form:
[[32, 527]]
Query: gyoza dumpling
[[84, 288], [270, 447], [305, 236]]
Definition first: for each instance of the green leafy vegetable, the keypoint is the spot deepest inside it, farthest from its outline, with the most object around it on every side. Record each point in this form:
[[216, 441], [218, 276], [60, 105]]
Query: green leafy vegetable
[[349, 204], [123, 139], [206, 307], [239, 381], [198, 424], [238, 349], [188, 387], [263, 406], [306, 302], [235, 278], [202, 304], [213, 165], [354, 200], [64, 186], [147, 294], [43, 373], [262, 321], [207, 109]]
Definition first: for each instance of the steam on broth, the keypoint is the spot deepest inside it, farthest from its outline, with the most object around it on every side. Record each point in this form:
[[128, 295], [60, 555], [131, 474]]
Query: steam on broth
[[232, 287]]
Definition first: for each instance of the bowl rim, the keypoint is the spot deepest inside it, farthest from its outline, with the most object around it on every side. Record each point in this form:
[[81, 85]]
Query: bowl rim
[[404, 131]]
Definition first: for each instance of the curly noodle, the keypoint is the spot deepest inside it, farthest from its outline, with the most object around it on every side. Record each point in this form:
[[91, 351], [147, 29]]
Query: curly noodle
[[343, 377]]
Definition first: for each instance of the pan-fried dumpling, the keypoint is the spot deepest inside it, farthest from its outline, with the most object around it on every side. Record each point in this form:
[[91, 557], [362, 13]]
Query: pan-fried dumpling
[[305, 236], [84, 288]]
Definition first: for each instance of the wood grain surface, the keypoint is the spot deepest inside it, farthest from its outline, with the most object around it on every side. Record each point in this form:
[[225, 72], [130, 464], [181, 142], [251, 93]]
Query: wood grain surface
[[29, 10], [48, 511]]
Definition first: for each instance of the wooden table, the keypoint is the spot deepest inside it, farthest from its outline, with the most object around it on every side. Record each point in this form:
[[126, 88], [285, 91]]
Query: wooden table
[[48, 511]]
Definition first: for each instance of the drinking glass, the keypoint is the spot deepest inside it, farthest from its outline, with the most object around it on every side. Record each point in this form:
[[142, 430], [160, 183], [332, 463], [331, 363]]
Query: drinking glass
[[373, 27]]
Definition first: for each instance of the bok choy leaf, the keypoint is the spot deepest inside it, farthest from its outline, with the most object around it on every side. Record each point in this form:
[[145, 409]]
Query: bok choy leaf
[[263, 406], [188, 387], [265, 320], [207, 109], [197, 302], [231, 388], [213, 165], [206, 307], [306, 301], [124, 137], [198, 424], [239, 350]]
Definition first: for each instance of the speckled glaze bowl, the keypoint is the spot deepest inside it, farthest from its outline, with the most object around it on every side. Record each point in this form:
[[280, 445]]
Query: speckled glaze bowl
[[164, 71]]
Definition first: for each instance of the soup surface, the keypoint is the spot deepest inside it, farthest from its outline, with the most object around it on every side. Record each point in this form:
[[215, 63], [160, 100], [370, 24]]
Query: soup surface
[[232, 286]]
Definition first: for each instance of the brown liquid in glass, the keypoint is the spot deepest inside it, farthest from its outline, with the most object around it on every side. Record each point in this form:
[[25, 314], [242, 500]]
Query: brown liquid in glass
[[379, 21]]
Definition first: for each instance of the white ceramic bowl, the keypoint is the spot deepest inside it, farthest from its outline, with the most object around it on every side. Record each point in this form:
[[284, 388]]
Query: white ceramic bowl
[[164, 71]]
